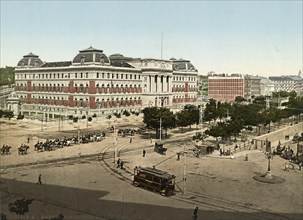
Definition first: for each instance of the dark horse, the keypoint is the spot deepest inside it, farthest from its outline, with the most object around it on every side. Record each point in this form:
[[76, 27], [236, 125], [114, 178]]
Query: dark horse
[[5, 149], [23, 149]]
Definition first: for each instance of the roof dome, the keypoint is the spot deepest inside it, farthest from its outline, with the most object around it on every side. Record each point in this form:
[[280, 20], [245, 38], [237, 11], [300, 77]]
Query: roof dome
[[30, 60], [91, 56], [183, 65]]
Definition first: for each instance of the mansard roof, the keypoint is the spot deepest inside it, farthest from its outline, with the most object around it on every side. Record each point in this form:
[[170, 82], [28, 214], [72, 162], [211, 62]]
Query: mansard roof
[[91, 56], [57, 64], [30, 60]]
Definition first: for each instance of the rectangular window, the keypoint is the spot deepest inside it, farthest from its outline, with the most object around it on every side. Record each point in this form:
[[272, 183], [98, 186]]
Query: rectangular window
[[76, 75], [117, 76], [121, 76], [97, 75], [86, 75], [131, 76]]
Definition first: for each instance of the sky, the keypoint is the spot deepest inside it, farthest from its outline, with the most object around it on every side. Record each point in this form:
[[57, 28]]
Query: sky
[[249, 37]]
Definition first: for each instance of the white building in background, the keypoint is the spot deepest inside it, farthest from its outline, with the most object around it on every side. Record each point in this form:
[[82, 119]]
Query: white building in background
[[288, 83], [93, 83], [267, 87]]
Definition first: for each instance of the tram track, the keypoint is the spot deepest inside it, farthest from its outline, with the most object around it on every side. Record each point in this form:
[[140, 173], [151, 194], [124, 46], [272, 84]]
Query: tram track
[[217, 204], [224, 205]]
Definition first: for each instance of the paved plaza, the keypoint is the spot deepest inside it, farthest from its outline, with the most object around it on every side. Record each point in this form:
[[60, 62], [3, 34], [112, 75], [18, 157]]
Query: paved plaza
[[83, 182]]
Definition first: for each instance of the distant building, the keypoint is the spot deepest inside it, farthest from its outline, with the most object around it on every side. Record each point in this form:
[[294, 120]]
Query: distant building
[[93, 83], [287, 83], [5, 91], [225, 88], [252, 86], [267, 87]]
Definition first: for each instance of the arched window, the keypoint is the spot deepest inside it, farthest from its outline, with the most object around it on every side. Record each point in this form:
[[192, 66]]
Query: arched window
[[81, 87]]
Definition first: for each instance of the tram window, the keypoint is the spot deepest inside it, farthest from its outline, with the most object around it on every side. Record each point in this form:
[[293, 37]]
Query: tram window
[[156, 179]]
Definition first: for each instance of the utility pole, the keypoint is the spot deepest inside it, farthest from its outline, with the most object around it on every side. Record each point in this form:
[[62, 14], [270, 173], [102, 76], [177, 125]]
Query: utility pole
[[184, 169], [160, 128]]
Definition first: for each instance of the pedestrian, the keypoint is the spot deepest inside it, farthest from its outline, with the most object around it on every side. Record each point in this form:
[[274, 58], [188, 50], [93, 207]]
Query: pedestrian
[[246, 157], [131, 140], [195, 215], [151, 140], [121, 165], [300, 165], [178, 156], [144, 152], [27, 140], [118, 162], [39, 179]]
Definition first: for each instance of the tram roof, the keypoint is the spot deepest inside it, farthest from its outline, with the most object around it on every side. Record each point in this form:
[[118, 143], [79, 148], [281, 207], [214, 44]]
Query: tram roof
[[156, 172]]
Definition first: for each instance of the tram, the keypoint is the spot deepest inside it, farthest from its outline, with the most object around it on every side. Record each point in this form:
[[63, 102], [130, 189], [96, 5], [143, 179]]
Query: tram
[[155, 180]]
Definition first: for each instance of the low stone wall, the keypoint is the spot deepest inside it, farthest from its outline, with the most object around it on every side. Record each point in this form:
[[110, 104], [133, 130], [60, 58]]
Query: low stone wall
[[283, 134]]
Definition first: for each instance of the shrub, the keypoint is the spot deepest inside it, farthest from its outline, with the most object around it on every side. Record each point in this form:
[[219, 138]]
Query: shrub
[[94, 115], [83, 117], [89, 118], [75, 119], [126, 113], [20, 116]]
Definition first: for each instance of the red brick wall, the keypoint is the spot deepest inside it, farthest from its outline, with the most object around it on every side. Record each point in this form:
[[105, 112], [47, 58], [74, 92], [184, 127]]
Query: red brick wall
[[92, 87], [71, 101], [71, 86]]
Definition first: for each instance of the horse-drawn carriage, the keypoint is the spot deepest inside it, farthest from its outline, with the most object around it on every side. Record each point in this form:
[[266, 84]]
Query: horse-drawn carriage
[[159, 147], [5, 150], [297, 138], [22, 150]]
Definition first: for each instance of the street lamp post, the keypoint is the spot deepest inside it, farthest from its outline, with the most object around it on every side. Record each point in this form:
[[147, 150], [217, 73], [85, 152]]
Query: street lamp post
[[115, 142], [269, 156], [184, 168]]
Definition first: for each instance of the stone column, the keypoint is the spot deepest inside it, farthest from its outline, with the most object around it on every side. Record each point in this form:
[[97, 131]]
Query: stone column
[[170, 84], [164, 83], [158, 84], [153, 85]]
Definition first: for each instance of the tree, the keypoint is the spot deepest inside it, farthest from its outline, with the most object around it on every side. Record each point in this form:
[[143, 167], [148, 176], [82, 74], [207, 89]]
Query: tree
[[188, 116], [210, 112], [7, 76], [152, 117], [239, 99]]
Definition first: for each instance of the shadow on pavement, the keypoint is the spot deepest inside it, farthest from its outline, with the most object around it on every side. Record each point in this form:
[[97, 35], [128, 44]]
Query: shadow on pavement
[[90, 202]]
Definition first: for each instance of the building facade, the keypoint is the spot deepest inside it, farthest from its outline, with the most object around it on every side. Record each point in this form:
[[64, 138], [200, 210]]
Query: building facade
[[93, 83], [288, 83], [225, 88], [252, 86]]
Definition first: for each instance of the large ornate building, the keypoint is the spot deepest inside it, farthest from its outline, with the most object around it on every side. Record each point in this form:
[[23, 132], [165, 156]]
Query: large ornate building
[[93, 83]]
